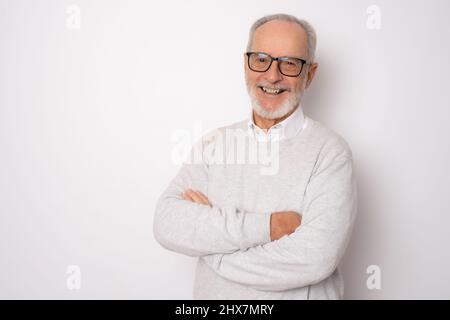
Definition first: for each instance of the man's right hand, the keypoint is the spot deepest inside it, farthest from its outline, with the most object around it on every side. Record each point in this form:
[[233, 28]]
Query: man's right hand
[[283, 223]]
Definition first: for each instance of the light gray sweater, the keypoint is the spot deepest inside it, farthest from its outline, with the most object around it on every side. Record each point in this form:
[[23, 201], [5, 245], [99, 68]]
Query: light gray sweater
[[237, 260]]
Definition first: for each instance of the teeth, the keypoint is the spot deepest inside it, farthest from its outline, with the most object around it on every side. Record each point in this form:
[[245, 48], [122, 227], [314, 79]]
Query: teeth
[[272, 91]]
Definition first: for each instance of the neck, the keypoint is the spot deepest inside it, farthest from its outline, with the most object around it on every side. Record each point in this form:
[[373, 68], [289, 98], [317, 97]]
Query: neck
[[266, 124]]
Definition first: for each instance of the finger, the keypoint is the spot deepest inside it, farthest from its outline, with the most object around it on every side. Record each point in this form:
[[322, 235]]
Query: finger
[[190, 195], [186, 196], [197, 198], [204, 198]]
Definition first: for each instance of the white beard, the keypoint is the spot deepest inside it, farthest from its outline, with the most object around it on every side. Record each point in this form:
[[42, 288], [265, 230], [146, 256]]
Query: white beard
[[286, 107]]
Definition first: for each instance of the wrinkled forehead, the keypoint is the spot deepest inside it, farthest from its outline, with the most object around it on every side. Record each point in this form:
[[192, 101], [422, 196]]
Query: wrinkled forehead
[[281, 38]]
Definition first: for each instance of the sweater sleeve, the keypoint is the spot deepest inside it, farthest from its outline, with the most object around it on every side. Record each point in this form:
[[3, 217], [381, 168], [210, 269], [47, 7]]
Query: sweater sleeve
[[197, 230], [311, 253]]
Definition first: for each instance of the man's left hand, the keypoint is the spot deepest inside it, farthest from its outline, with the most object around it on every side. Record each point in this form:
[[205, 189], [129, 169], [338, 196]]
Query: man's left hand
[[196, 196]]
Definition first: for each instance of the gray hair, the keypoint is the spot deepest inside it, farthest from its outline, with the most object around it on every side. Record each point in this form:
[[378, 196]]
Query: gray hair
[[311, 34]]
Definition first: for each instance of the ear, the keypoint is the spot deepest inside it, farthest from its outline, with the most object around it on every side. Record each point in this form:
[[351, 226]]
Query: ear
[[311, 73]]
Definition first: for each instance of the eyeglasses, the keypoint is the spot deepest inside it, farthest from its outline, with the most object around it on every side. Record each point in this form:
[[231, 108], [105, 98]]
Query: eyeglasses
[[288, 66]]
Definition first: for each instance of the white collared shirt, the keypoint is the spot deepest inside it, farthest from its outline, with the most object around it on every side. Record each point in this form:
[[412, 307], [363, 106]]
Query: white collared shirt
[[285, 129]]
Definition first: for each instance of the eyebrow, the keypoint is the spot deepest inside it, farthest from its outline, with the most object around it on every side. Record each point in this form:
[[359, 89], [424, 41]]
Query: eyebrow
[[282, 56]]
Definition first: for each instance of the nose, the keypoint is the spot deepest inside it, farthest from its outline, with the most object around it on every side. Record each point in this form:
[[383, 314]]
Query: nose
[[273, 74]]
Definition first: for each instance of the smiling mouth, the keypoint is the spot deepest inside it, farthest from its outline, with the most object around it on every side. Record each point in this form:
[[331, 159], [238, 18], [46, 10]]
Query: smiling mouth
[[272, 91]]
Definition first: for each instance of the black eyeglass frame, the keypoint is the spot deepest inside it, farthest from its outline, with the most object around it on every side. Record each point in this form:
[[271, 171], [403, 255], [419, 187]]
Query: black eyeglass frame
[[303, 61]]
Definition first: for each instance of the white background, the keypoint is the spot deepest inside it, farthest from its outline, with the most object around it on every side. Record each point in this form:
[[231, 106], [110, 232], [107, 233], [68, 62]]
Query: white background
[[87, 118]]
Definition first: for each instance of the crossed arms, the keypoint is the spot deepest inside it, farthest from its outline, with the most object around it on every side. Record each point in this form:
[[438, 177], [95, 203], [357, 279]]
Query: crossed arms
[[281, 223], [266, 251]]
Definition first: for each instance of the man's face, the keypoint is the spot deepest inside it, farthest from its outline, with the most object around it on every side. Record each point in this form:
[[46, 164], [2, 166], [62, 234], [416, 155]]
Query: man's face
[[278, 39]]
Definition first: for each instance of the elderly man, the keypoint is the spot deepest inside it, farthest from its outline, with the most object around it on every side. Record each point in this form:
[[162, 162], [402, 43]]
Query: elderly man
[[278, 234]]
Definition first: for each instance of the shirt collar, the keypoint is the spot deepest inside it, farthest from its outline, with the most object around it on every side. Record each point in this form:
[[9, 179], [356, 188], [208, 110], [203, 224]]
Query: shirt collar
[[285, 129]]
